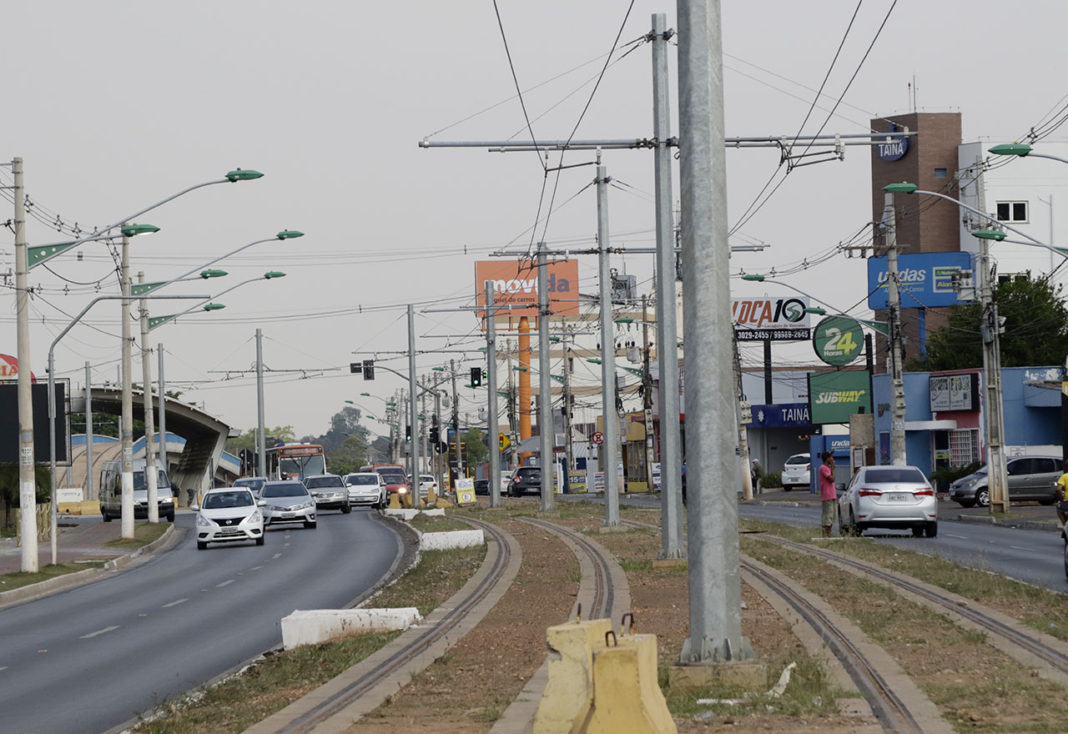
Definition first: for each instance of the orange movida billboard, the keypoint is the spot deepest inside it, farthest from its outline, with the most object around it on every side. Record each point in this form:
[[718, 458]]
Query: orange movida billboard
[[515, 282]]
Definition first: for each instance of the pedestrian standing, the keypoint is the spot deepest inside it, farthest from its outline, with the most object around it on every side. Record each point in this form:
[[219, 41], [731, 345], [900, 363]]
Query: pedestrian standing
[[758, 477], [828, 494]]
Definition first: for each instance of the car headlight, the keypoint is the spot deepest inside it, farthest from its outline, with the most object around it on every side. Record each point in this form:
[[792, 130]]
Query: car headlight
[[203, 521], [254, 518]]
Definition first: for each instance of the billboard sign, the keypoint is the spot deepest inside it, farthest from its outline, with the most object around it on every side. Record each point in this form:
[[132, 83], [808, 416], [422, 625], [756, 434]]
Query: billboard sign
[[9, 422], [838, 340], [780, 415], [834, 396], [954, 392], [929, 280], [767, 318], [515, 283]]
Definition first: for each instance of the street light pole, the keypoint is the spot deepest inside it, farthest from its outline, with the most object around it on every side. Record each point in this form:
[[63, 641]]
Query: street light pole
[[491, 400], [27, 480], [146, 381], [897, 416], [545, 398], [610, 445], [126, 424]]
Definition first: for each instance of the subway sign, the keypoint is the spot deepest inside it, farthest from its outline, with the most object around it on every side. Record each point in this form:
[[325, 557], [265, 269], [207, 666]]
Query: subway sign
[[834, 396], [768, 318]]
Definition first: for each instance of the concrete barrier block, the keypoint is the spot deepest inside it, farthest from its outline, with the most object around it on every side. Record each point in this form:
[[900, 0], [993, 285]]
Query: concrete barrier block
[[312, 626], [626, 696], [569, 690], [403, 514], [451, 539], [434, 513]]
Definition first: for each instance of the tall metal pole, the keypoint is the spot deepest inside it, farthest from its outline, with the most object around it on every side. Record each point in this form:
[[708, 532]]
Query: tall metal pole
[[743, 432], [569, 452], [423, 441], [90, 494], [27, 481], [126, 428], [610, 447], [162, 439], [492, 428], [458, 458], [997, 483], [513, 418], [712, 472], [150, 436], [545, 398], [897, 414], [413, 407], [647, 399], [261, 436], [666, 324]]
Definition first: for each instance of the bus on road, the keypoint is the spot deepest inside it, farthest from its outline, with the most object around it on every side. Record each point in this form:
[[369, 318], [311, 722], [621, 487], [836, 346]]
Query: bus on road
[[295, 461]]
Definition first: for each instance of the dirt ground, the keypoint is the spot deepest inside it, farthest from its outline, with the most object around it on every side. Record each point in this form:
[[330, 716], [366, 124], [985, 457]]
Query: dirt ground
[[467, 689]]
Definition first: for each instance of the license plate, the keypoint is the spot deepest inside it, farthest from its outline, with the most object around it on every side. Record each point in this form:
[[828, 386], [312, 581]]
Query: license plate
[[229, 531], [289, 514], [897, 497]]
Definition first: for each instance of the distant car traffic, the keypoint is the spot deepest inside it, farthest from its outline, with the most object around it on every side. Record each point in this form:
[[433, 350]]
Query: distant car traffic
[[288, 501], [426, 483], [366, 488], [252, 484], [525, 479], [227, 515], [329, 491], [888, 497], [796, 472], [1029, 478]]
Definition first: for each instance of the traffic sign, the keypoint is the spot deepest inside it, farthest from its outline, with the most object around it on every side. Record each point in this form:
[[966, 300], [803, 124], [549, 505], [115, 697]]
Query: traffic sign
[[598, 438], [503, 442]]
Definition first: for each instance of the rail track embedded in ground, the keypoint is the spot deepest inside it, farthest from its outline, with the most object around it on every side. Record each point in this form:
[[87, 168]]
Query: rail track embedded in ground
[[365, 686]]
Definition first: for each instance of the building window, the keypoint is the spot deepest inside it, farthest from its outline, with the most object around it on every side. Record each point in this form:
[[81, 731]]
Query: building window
[[940, 173], [963, 447], [1012, 211]]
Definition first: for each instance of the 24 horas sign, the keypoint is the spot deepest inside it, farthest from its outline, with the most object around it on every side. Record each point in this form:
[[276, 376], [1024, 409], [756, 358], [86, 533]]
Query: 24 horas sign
[[770, 319]]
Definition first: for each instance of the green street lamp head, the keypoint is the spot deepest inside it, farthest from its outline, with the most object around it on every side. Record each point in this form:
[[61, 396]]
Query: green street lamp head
[[755, 277], [437, 369], [273, 274], [520, 369], [1017, 149], [624, 320], [816, 310], [243, 174], [594, 360], [289, 234], [205, 274], [901, 188], [366, 394], [989, 234], [132, 230], [214, 307]]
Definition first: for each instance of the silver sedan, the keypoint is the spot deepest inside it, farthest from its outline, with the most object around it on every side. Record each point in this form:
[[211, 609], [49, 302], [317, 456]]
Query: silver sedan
[[288, 501], [888, 497]]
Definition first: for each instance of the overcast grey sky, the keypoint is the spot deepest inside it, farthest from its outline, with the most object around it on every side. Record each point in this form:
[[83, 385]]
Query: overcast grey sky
[[116, 105]]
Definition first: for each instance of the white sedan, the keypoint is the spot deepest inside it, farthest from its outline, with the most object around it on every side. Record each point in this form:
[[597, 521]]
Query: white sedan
[[227, 515], [888, 497]]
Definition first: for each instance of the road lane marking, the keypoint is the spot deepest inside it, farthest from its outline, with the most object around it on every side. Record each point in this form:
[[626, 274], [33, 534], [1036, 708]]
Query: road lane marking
[[959, 537], [100, 632], [175, 603], [1016, 547], [276, 555], [224, 583], [3, 668], [256, 568]]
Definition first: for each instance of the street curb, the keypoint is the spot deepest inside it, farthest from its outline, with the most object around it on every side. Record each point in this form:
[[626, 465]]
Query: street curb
[[166, 541], [1020, 524]]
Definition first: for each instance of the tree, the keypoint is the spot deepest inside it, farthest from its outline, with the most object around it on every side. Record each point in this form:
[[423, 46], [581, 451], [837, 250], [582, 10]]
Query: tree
[[1035, 329], [247, 440], [477, 451]]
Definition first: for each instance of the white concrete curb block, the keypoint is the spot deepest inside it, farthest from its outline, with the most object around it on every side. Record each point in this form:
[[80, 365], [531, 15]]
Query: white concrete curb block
[[405, 515], [451, 539], [312, 626]]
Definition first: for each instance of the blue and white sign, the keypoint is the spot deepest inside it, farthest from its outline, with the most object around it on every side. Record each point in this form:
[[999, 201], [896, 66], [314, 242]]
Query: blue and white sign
[[929, 280], [785, 415], [893, 147]]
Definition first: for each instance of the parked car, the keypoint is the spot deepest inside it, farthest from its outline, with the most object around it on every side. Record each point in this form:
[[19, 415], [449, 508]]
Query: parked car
[[1029, 478], [796, 472], [252, 484], [227, 515], [288, 501], [329, 491], [506, 479], [111, 492], [888, 497], [482, 486], [525, 479], [366, 488]]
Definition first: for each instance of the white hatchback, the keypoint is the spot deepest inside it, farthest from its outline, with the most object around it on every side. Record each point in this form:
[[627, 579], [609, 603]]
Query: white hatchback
[[228, 514], [796, 472], [366, 488]]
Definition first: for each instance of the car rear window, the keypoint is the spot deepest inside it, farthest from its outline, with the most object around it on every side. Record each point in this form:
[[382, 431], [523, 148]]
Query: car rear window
[[882, 476], [363, 479], [797, 460], [528, 473]]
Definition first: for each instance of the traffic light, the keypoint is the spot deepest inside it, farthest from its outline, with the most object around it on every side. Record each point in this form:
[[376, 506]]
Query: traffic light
[[368, 369], [434, 435], [476, 377], [408, 432]]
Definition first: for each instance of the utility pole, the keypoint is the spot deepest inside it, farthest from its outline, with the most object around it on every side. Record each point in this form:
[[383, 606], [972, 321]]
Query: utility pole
[[27, 479], [126, 428], [569, 451], [545, 398], [990, 327], [897, 415], [89, 493], [261, 443], [715, 630], [413, 413], [743, 433], [150, 436], [458, 457], [666, 324], [162, 440], [492, 429], [425, 456], [610, 447], [513, 425], [647, 399]]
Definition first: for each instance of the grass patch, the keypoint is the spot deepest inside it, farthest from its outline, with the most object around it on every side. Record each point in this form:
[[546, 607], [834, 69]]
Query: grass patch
[[437, 524], [281, 678], [144, 533], [17, 580]]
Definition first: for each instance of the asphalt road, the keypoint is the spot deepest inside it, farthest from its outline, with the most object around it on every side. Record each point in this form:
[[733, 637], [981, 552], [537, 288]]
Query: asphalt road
[[94, 657]]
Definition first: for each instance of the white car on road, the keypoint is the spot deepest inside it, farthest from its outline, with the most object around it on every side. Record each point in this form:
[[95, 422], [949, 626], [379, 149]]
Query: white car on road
[[366, 488], [228, 514], [796, 472]]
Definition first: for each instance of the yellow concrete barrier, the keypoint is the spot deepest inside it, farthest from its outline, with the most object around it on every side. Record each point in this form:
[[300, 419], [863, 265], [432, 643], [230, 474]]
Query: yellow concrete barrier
[[569, 691], [394, 501], [626, 695]]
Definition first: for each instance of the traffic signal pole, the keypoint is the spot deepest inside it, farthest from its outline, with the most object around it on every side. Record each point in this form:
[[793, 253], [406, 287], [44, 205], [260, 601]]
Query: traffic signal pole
[[492, 429]]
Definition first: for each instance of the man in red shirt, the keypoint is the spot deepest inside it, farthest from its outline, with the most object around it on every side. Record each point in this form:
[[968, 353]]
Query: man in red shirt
[[828, 493]]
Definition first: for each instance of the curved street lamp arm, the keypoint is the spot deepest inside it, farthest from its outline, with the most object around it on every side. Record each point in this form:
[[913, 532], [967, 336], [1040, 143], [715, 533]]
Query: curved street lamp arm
[[984, 215]]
